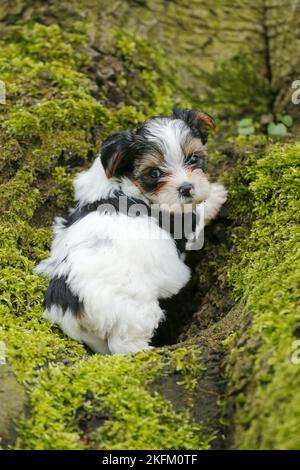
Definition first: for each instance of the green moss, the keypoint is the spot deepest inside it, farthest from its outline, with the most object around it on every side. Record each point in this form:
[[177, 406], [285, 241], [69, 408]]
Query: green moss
[[235, 89], [152, 67], [113, 390], [23, 124], [264, 272]]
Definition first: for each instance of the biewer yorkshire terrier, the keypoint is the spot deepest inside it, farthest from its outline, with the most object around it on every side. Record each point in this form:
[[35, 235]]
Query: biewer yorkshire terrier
[[108, 269]]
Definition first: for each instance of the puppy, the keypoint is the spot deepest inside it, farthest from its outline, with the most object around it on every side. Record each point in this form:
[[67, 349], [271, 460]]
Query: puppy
[[108, 267]]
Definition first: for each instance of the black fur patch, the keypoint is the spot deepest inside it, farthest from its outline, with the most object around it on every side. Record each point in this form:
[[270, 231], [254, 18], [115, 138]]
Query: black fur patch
[[59, 293], [121, 149], [197, 126], [113, 201], [113, 152], [148, 183]]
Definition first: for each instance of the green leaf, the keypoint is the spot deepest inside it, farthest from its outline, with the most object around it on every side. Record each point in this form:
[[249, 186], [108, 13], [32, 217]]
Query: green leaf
[[277, 130], [246, 130], [287, 120], [247, 122]]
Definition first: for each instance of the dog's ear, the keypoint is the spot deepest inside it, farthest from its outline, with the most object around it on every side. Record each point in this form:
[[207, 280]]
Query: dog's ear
[[196, 120], [115, 155]]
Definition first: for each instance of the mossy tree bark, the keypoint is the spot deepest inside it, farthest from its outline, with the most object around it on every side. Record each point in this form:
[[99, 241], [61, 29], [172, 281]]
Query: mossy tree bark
[[199, 36]]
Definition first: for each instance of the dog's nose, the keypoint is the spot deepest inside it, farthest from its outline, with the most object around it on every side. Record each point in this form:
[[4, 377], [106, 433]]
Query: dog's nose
[[185, 189]]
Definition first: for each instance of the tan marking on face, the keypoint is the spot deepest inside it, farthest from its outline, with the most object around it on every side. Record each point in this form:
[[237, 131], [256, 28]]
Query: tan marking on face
[[113, 165], [161, 184], [191, 146], [151, 160], [144, 165]]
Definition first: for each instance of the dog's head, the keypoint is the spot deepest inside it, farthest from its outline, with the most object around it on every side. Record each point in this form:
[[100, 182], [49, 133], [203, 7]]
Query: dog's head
[[165, 157]]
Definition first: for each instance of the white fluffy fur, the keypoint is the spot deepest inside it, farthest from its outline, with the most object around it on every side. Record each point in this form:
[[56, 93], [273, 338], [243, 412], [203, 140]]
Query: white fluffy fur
[[119, 266]]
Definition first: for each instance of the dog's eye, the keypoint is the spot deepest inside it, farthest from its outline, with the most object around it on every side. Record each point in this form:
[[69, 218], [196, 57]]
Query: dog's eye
[[155, 173], [193, 159]]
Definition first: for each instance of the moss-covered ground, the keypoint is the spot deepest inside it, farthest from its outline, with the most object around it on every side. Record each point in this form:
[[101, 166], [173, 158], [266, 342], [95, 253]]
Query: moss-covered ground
[[249, 280], [264, 272]]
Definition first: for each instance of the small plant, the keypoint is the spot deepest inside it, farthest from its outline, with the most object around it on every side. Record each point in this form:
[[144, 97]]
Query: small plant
[[246, 126], [277, 129]]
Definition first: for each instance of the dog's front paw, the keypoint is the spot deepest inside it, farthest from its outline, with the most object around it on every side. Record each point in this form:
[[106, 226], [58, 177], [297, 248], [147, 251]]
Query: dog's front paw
[[218, 193], [217, 197]]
